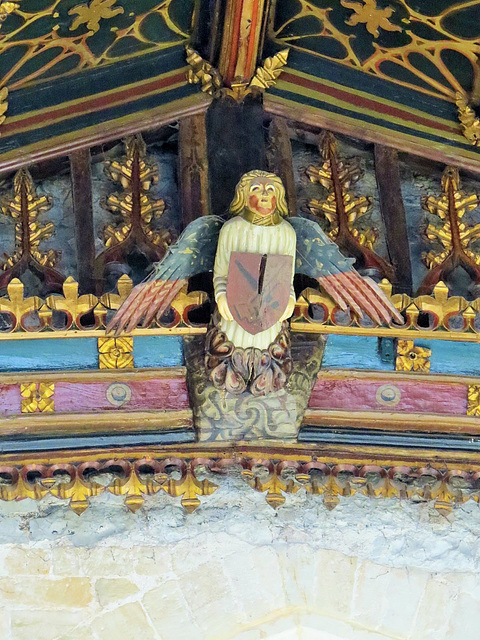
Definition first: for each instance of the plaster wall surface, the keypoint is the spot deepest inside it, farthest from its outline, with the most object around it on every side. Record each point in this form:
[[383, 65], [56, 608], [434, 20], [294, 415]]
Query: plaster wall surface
[[235, 569]]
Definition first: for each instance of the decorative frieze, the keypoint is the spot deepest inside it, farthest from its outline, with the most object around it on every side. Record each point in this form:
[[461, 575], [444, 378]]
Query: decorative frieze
[[188, 479]]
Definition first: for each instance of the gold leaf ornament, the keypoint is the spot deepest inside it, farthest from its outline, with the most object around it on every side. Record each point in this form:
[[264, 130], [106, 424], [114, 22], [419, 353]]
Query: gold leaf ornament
[[412, 358], [90, 14], [469, 121], [267, 75], [6, 8]]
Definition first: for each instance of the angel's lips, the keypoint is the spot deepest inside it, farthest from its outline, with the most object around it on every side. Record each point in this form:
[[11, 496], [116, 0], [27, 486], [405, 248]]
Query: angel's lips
[[255, 205]]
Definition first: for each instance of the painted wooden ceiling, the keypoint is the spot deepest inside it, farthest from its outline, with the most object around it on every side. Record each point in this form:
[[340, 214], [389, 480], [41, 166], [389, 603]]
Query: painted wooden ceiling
[[385, 70], [390, 68]]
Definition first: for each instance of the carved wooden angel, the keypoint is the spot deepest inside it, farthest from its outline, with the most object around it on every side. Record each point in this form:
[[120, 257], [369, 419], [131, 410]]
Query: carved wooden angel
[[254, 257]]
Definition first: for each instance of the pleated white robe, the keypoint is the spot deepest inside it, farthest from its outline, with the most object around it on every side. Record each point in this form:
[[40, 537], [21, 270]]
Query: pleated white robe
[[240, 235]]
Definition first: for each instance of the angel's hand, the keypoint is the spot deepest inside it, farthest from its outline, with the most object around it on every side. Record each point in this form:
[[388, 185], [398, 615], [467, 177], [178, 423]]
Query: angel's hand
[[289, 310], [223, 309]]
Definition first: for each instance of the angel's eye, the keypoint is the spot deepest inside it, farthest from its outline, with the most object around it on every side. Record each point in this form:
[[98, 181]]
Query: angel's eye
[[255, 187], [270, 187]]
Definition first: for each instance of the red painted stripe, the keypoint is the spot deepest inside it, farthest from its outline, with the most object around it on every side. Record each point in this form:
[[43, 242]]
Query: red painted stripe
[[162, 394], [235, 40], [404, 396], [359, 101], [251, 43], [10, 399], [90, 104]]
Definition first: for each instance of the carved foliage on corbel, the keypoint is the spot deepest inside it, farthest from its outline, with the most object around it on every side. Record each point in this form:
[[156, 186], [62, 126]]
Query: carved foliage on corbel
[[211, 82], [449, 235], [342, 208], [25, 207]]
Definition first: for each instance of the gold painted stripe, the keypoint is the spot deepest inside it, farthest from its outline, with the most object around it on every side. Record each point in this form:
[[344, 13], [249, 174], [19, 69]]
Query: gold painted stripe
[[385, 332], [93, 375], [309, 93], [419, 423], [64, 117], [372, 132], [95, 96], [101, 133], [396, 376], [100, 333], [363, 94], [78, 424], [296, 452]]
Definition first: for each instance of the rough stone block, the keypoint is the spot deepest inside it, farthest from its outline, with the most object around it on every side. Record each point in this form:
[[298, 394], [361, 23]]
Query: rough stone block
[[110, 590], [332, 588], [44, 625], [387, 599], [52, 593], [166, 606], [27, 561], [128, 622]]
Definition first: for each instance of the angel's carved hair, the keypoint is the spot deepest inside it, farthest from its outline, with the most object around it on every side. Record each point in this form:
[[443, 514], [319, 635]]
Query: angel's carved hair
[[240, 199]]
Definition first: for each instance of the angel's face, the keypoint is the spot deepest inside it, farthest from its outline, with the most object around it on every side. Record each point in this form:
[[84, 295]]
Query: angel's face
[[262, 196]]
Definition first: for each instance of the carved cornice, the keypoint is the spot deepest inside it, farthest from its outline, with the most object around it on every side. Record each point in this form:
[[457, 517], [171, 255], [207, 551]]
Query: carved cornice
[[193, 474]]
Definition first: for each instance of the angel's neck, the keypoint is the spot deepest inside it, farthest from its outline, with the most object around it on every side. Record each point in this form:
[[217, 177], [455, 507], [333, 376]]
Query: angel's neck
[[271, 220]]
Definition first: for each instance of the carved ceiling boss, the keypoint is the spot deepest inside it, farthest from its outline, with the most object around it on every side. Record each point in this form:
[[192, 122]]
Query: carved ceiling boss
[[254, 257]]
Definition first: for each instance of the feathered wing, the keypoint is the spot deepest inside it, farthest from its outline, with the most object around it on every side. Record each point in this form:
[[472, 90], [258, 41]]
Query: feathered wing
[[320, 258], [193, 253]]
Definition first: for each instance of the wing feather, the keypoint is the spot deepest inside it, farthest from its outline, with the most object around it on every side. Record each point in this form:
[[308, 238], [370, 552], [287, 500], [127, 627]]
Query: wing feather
[[320, 258], [193, 253]]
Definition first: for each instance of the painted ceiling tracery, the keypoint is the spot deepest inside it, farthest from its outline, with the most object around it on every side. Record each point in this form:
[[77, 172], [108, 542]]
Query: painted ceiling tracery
[[45, 39], [430, 47]]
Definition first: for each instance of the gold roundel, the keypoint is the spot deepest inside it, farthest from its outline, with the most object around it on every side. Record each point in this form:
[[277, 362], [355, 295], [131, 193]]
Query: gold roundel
[[118, 394], [388, 395]]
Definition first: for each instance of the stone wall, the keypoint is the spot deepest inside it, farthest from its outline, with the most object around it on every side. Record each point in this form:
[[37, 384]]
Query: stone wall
[[235, 569]]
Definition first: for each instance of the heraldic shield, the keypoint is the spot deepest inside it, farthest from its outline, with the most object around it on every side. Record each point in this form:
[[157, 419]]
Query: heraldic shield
[[258, 289]]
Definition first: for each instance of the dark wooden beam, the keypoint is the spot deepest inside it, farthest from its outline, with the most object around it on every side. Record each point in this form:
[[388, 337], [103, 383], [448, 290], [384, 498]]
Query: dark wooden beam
[[279, 159], [81, 176], [236, 144], [193, 163], [393, 214]]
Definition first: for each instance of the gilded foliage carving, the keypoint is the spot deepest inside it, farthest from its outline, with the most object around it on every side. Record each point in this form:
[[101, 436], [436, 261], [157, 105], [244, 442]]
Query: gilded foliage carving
[[203, 73], [342, 208], [469, 120], [137, 173], [24, 206], [412, 358], [3, 105], [450, 233], [37, 397], [473, 407], [115, 353], [429, 48]]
